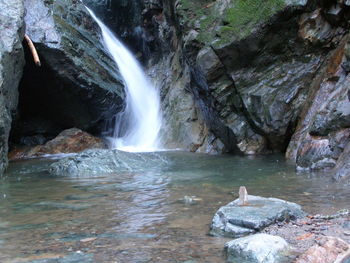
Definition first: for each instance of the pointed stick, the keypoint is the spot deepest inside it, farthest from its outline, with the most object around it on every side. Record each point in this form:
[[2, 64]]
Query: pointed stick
[[33, 51]]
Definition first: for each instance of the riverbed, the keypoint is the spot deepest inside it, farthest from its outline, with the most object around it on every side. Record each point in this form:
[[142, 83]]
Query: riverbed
[[156, 215]]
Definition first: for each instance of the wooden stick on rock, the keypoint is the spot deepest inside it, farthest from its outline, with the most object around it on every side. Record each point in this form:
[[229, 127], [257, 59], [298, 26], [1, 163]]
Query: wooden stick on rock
[[33, 51]]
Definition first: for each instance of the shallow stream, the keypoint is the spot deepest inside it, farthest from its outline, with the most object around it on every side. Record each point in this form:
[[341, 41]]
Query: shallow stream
[[160, 215]]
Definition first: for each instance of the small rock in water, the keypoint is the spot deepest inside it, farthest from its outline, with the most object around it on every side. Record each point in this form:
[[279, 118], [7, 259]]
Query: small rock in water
[[259, 248], [89, 239], [190, 200]]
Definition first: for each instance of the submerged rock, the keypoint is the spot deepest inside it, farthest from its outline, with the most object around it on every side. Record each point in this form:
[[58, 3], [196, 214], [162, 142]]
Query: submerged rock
[[259, 248], [92, 162], [235, 221], [11, 67], [69, 141]]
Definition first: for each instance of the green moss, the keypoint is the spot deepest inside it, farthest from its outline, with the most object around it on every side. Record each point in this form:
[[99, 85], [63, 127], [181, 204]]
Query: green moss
[[246, 14], [199, 13], [237, 22]]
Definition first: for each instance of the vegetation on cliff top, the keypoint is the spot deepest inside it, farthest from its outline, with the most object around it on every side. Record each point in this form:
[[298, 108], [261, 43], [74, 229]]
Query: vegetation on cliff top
[[238, 20]]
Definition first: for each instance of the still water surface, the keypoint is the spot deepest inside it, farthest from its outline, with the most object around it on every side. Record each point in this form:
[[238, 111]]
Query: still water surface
[[147, 216]]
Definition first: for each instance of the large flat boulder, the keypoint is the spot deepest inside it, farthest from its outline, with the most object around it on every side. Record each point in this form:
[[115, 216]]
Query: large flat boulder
[[234, 220], [92, 162], [259, 248]]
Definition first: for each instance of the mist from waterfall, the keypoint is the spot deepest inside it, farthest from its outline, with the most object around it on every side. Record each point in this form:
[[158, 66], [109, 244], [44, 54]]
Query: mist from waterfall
[[136, 128]]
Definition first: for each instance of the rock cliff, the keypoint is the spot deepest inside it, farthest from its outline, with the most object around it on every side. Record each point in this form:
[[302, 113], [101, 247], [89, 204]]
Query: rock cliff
[[256, 78], [11, 64], [78, 85], [235, 76]]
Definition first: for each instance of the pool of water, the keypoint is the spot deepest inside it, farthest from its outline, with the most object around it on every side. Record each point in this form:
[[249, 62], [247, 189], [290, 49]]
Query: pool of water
[[159, 215]]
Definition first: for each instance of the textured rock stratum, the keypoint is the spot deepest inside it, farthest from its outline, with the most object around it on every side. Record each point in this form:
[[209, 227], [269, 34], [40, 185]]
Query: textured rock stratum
[[255, 78], [11, 66]]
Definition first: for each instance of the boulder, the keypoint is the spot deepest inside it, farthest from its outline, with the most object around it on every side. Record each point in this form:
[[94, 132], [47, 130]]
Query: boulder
[[258, 248], [78, 84], [92, 162], [11, 68], [327, 250], [68, 141], [234, 220]]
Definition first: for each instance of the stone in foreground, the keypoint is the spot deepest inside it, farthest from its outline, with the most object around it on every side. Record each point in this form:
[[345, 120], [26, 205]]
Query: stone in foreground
[[92, 162], [235, 221], [259, 248], [327, 250]]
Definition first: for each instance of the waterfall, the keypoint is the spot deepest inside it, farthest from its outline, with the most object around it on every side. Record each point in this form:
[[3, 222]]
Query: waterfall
[[137, 127]]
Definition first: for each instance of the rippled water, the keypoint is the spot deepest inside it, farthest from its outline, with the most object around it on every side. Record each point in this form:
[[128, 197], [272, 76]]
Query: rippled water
[[145, 216]]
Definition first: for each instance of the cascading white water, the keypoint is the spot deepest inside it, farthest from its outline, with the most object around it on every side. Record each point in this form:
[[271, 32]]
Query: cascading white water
[[142, 111]]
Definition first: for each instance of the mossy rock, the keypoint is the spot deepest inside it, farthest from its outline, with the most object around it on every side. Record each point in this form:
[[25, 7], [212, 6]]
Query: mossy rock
[[225, 21]]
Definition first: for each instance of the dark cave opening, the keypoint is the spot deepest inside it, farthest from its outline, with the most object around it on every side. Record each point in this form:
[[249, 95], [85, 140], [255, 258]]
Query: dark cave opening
[[48, 104]]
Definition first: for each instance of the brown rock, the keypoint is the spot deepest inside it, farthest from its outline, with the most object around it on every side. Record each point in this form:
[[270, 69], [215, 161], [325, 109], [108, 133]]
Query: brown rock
[[69, 141], [328, 250]]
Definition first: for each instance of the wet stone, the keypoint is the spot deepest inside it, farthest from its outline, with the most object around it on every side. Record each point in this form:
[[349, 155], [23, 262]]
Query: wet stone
[[93, 162], [327, 250], [259, 248], [235, 221]]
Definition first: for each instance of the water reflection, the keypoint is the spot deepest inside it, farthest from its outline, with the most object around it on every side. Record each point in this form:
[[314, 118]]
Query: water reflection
[[142, 216]]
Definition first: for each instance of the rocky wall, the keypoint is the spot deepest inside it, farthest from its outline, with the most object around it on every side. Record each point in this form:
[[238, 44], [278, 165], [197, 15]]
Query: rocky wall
[[11, 65]]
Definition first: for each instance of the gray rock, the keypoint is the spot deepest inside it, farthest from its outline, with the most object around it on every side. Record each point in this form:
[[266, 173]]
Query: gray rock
[[86, 80], [11, 66], [342, 169], [92, 162], [183, 126], [259, 248], [210, 64], [324, 129], [235, 221]]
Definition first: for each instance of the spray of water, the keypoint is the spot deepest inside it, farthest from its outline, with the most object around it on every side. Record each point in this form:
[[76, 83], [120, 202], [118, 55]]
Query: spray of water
[[141, 116]]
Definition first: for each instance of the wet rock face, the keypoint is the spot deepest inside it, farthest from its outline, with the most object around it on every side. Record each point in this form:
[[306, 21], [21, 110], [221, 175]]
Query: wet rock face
[[323, 131], [342, 168], [11, 66], [123, 17], [78, 84], [255, 78], [252, 86]]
